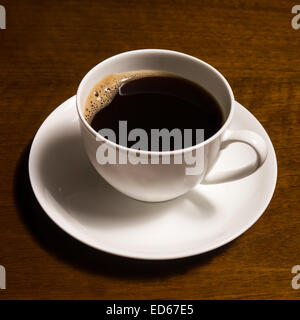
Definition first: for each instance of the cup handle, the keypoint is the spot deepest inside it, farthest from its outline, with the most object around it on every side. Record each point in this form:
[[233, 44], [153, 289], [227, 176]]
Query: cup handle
[[246, 136]]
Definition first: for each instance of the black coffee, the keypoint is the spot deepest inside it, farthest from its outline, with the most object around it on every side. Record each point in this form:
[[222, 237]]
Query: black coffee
[[154, 101]]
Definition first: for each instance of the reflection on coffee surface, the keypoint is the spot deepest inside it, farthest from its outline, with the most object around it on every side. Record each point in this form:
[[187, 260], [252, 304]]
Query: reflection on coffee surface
[[153, 100]]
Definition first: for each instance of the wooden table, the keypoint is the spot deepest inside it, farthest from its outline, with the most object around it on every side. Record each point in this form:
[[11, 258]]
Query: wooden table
[[48, 47]]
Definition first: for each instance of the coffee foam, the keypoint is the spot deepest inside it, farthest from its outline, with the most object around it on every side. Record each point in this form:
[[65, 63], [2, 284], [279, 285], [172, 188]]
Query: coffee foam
[[106, 89]]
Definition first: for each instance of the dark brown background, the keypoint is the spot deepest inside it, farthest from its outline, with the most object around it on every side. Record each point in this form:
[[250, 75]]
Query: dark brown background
[[48, 47]]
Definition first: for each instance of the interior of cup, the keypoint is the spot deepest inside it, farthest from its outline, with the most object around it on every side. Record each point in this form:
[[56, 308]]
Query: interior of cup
[[164, 60]]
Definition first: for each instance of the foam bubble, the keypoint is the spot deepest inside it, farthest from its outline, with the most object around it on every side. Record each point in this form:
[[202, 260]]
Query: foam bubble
[[106, 89]]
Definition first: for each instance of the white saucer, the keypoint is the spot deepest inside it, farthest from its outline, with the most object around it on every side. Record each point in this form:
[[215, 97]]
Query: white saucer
[[79, 201]]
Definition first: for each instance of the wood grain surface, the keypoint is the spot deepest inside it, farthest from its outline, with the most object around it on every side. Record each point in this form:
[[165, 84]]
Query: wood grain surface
[[48, 47]]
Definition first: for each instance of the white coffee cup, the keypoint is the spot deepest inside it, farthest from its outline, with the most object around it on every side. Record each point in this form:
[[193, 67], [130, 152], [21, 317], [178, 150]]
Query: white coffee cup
[[160, 182]]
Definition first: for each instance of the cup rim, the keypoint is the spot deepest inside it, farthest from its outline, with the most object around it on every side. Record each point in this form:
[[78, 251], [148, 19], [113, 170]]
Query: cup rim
[[99, 137]]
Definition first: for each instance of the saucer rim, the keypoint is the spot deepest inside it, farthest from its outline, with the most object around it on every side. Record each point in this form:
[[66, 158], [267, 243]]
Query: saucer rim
[[71, 230]]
